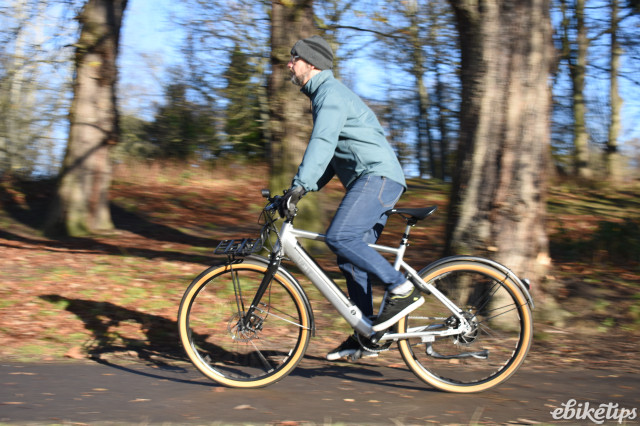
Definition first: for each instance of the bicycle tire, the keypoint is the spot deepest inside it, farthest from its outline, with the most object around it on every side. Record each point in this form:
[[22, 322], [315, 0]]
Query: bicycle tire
[[244, 357], [502, 328]]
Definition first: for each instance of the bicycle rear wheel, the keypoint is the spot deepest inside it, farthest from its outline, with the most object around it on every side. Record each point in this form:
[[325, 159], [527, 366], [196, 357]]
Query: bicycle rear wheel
[[235, 352], [492, 351]]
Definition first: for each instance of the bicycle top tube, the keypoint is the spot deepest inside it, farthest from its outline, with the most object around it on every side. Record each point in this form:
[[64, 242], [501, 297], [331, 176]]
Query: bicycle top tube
[[410, 215], [308, 235]]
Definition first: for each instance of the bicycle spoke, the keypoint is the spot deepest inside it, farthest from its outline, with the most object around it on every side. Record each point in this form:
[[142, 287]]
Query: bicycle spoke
[[269, 312], [267, 365], [482, 356], [239, 346]]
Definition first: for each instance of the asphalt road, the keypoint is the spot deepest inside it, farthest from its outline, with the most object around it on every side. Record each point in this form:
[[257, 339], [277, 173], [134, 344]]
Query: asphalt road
[[377, 392]]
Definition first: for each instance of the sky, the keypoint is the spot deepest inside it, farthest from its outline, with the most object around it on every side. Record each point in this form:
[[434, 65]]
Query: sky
[[150, 44]]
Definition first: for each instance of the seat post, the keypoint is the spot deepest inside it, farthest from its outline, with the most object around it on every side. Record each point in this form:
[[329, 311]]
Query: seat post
[[405, 236], [404, 243]]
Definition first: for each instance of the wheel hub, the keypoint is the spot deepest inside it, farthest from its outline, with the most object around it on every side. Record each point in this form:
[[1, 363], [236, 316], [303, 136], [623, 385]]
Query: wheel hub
[[244, 332], [464, 338]]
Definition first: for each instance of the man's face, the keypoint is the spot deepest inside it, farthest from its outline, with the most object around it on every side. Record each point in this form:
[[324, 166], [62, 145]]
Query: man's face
[[300, 70]]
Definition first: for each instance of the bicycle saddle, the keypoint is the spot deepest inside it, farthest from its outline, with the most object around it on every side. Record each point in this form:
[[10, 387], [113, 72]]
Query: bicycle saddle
[[413, 215]]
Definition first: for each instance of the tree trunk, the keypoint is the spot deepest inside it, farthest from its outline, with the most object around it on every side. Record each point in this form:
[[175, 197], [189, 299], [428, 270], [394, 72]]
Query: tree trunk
[[426, 155], [613, 162], [497, 208], [442, 126], [578, 69], [82, 204], [290, 110]]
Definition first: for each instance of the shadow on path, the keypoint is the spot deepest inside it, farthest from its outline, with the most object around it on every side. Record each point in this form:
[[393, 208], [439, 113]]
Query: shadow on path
[[116, 329], [91, 246], [154, 340]]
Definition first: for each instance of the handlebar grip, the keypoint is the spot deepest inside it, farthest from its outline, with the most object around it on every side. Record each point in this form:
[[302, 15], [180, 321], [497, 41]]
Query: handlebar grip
[[275, 202]]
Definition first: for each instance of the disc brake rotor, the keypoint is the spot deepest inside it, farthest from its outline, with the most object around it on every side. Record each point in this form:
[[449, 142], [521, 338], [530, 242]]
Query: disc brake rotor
[[241, 332]]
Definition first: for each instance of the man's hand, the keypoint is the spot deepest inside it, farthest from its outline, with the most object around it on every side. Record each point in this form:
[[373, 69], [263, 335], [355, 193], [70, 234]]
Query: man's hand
[[287, 207]]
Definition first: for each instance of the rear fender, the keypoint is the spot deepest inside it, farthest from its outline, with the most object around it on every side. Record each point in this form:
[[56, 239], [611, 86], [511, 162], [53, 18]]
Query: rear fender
[[508, 273]]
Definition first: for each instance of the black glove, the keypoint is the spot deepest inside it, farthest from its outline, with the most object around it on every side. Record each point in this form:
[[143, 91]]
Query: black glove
[[287, 207]]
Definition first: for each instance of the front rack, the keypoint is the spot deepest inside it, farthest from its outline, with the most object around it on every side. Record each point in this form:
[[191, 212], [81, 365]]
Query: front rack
[[243, 247]]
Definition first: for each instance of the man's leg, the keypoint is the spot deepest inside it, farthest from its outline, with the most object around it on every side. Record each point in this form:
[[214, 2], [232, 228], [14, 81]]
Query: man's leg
[[359, 282], [357, 222], [360, 216], [363, 205]]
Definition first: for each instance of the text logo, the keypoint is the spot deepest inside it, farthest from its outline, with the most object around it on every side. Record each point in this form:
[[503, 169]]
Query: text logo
[[572, 410]]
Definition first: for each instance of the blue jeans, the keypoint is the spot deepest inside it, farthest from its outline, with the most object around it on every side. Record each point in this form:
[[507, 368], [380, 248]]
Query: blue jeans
[[359, 221]]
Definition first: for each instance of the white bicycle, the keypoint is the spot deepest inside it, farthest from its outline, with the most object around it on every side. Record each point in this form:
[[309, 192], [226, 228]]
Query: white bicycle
[[247, 323]]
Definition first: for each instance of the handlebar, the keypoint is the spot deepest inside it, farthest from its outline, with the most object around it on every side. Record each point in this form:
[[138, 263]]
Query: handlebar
[[274, 202]]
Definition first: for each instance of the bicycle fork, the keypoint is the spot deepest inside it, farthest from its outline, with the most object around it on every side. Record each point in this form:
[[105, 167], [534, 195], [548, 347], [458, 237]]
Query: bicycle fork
[[248, 320]]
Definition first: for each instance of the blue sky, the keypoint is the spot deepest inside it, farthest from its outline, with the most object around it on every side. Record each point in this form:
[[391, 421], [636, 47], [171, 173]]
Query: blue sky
[[150, 44]]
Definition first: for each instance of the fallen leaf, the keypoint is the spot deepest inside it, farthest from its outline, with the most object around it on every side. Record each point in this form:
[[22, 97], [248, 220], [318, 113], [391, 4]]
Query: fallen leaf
[[243, 407], [75, 353]]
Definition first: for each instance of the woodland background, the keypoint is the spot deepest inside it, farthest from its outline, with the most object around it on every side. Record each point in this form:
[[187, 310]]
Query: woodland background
[[516, 118]]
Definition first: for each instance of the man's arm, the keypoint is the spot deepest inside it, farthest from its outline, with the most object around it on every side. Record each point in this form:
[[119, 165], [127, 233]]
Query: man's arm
[[328, 120]]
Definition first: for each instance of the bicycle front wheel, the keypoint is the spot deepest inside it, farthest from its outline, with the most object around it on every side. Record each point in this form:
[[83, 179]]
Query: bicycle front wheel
[[233, 349], [499, 339]]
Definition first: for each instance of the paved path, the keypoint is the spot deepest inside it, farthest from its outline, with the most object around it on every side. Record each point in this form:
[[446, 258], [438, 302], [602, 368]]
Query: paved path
[[318, 392]]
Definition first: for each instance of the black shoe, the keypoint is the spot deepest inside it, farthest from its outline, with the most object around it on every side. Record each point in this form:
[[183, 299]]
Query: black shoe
[[395, 307], [350, 348]]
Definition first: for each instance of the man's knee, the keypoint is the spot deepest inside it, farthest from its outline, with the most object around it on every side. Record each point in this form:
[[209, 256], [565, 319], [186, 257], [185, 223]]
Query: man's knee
[[333, 242], [338, 242]]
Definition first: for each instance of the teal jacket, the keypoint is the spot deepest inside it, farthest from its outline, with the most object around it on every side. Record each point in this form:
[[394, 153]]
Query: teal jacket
[[347, 140]]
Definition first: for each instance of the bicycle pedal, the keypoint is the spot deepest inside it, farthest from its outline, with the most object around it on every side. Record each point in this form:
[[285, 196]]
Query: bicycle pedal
[[356, 355]]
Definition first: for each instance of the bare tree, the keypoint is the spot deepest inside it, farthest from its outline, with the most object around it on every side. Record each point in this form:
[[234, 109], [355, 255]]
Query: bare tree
[[82, 200], [612, 158], [497, 206], [413, 37], [574, 53], [33, 72], [577, 58], [290, 21], [290, 117]]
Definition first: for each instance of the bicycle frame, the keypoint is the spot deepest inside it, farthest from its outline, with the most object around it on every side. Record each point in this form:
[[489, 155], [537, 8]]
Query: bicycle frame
[[289, 246], [262, 335]]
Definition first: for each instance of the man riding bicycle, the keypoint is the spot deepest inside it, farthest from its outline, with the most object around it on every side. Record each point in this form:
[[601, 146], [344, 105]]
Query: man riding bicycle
[[348, 141]]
